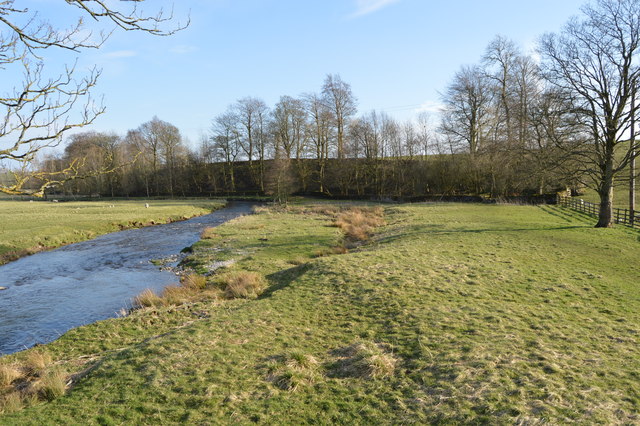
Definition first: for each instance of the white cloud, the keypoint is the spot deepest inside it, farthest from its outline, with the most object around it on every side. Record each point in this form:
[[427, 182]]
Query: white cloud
[[183, 49], [119, 54], [365, 7], [430, 106]]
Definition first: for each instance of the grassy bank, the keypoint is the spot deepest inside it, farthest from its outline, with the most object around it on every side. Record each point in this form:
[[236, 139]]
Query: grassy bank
[[29, 227], [448, 313]]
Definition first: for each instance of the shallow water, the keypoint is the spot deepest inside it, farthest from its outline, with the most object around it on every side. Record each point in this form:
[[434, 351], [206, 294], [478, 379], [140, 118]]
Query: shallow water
[[52, 292]]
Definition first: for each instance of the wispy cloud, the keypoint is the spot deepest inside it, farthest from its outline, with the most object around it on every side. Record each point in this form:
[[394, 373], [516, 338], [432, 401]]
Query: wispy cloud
[[430, 107], [365, 7], [183, 49], [119, 54]]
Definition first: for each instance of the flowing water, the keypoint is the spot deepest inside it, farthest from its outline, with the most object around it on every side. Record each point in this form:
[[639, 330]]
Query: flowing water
[[52, 292]]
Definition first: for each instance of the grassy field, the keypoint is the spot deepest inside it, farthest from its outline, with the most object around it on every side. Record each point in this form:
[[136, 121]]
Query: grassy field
[[620, 196], [28, 227], [450, 313]]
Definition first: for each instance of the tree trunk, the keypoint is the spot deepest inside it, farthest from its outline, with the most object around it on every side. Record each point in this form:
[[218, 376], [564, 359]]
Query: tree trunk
[[605, 216]]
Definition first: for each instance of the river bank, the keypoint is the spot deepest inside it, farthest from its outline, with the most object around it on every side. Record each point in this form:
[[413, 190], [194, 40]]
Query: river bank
[[32, 227], [448, 313], [51, 292]]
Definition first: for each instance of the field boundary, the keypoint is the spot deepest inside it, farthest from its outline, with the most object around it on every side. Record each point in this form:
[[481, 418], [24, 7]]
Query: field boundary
[[620, 216]]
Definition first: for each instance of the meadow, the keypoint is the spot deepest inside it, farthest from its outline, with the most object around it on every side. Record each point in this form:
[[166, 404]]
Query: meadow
[[28, 227], [451, 313]]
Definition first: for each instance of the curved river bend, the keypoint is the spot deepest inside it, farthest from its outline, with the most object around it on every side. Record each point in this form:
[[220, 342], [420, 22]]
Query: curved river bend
[[52, 292]]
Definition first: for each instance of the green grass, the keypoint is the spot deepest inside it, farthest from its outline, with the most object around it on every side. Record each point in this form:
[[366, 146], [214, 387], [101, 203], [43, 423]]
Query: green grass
[[27, 227], [620, 196], [450, 313]]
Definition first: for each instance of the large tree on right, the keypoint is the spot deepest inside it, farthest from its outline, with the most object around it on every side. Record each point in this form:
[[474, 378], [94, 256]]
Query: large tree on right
[[593, 64]]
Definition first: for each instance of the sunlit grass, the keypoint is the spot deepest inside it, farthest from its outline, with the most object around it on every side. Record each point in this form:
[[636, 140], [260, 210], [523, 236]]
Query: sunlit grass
[[448, 314]]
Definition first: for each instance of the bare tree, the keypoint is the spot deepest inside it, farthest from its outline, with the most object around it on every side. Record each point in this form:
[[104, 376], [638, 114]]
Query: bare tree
[[319, 131], [226, 138], [593, 62], [467, 108], [252, 115], [46, 104], [340, 100]]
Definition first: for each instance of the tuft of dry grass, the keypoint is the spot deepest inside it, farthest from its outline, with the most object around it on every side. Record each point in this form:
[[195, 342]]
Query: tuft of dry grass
[[358, 223], [11, 403], [329, 251], [365, 360], [53, 385], [293, 371], [36, 362], [192, 287], [176, 295], [32, 381], [147, 298], [8, 374], [243, 284], [209, 234], [194, 282]]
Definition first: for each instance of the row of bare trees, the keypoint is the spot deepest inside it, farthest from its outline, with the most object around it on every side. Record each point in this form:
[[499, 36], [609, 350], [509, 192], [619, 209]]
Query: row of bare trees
[[313, 143], [571, 113]]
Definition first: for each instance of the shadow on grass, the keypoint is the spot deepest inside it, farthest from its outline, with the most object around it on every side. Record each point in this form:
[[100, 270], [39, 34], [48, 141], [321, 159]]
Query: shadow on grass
[[282, 279]]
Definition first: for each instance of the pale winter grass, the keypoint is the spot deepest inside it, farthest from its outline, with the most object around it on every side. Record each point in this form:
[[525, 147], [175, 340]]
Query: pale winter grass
[[11, 403], [358, 223], [32, 380], [293, 371], [147, 299], [36, 362], [8, 374], [53, 385], [365, 360], [243, 284], [192, 287]]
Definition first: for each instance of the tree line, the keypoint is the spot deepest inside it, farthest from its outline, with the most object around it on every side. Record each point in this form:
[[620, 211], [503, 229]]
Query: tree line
[[312, 144], [515, 123]]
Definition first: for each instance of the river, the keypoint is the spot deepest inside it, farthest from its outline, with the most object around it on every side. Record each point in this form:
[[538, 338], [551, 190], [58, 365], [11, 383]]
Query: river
[[52, 292]]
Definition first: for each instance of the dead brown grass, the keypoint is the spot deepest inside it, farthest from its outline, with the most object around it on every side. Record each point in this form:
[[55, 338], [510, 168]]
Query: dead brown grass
[[35, 379], [11, 403], [209, 234], [36, 362], [8, 374], [194, 281], [243, 284], [53, 385], [293, 371], [365, 360], [192, 287], [147, 298], [358, 223]]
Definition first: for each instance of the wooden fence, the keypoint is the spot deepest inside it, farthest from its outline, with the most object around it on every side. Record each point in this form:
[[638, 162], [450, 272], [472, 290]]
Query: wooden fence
[[620, 216]]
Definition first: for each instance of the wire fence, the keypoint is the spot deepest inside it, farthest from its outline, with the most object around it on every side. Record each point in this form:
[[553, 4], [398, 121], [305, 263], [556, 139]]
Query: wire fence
[[620, 216]]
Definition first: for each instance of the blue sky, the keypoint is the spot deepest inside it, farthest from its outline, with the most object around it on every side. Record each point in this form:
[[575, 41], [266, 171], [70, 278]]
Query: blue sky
[[396, 54]]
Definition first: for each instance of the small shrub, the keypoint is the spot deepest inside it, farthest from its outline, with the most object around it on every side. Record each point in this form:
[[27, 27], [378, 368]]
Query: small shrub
[[147, 299], [36, 362], [247, 285], [53, 385], [8, 374]]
